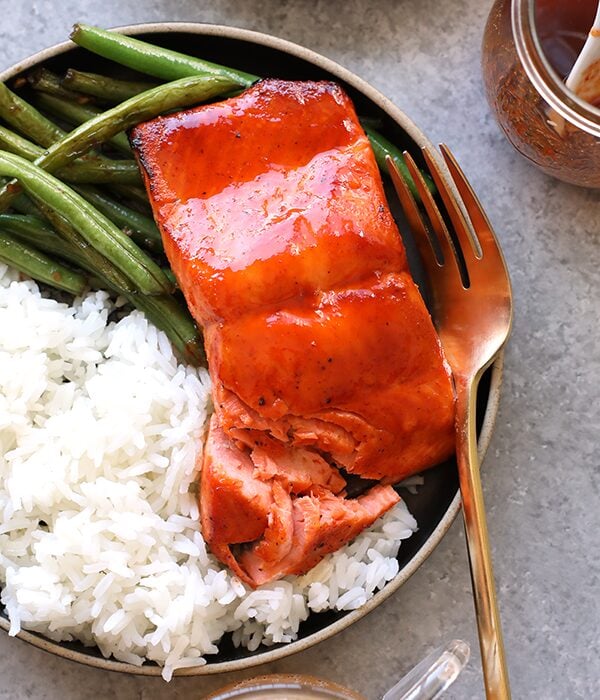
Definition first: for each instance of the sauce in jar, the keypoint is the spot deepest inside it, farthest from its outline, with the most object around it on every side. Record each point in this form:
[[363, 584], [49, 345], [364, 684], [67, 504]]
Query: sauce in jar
[[562, 29], [520, 95]]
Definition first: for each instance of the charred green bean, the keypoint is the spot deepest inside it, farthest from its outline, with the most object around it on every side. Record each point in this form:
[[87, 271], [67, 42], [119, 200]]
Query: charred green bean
[[35, 232], [143, 229], [94, 261], [103, 87], [26, 119], [12, 142], [76, 114], [168, 314], [97, 230], [85, 170], [32, 262], [135, 196], [44, 80]]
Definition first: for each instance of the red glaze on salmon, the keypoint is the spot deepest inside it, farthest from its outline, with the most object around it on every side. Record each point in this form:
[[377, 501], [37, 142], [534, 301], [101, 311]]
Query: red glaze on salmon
[[321, 351]]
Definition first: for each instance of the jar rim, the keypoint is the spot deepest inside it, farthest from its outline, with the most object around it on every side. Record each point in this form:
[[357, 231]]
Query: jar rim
[[544, 78]]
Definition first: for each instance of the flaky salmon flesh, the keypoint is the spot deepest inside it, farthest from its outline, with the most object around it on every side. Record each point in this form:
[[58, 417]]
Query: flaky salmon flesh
[[323, 357]]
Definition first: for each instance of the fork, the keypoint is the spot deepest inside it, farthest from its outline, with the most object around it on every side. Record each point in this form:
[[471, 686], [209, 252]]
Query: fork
[[472, 310]]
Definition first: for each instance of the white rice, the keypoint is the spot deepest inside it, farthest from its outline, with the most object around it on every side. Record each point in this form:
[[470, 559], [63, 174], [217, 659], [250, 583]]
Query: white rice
[[100, 434]]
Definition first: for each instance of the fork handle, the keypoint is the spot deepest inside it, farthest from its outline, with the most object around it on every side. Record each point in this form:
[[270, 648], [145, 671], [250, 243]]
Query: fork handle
[[493, 659]]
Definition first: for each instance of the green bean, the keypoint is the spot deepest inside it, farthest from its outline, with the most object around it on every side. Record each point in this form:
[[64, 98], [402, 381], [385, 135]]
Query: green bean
[[135, 196], [9, 141], [23, 224], [382, 148], [97, 230], [70, 245], [171, 275], [152, 60], [143, 229], [148, 104], [164, 311], [94, 261], [145, 106], [103, 87], [77, 114], [32, 262], [24, 205], [96, 171], [26, 119], [34, 231], [45, 81], [84, 170]]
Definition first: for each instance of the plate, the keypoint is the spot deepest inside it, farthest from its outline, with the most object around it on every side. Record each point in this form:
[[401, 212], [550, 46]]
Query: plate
[[438, 501]]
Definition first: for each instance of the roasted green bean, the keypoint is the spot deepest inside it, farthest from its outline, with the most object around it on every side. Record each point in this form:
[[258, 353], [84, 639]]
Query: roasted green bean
[[382, 148], [97, 230], [26, 119], [35, 232], [103, 87], [33, 263], [135, 196], [166, 313], [46, 81], [24, 254], [85, 170], [152, 60], [12, 142], [75, 113], [143, 229]]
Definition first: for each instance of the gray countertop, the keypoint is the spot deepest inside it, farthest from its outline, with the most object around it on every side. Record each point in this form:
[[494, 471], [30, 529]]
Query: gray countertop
[[542, 472]]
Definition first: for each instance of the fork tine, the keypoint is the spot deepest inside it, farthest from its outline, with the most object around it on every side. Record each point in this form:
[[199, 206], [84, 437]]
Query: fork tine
[[415, 221], [485, 234], [467, 240], [450, 266]]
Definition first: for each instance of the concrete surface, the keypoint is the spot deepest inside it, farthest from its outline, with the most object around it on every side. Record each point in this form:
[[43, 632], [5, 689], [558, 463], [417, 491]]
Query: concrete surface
[[542, 471]]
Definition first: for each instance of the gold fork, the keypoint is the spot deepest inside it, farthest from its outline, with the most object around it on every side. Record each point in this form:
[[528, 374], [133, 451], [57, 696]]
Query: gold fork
[[472, 310]]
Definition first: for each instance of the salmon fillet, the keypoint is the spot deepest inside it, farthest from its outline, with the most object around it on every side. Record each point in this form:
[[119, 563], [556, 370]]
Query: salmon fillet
[[305, 529], [321, 351]]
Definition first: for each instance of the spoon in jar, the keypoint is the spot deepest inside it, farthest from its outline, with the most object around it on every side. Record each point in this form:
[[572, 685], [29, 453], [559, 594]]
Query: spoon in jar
[[584, 78]]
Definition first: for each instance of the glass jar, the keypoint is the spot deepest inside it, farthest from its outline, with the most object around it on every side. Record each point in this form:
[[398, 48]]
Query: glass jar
[[427, 680], [545, 122], [285, 687]]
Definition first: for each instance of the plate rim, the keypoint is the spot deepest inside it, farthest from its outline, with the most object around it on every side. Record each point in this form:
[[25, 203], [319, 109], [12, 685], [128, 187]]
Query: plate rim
[[491, 411]]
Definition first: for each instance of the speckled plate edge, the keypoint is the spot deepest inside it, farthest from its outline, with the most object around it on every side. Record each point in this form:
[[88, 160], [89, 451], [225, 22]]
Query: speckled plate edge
[[492, 403]]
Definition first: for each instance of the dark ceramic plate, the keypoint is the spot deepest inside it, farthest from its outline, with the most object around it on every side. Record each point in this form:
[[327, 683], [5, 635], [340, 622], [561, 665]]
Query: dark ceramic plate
[[438, 501]]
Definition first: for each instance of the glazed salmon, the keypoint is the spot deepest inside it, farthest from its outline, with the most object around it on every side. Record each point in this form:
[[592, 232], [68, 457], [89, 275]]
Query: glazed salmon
[[369, 384], [266, 197], [321, 351]]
